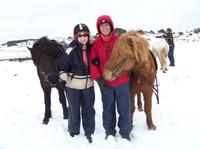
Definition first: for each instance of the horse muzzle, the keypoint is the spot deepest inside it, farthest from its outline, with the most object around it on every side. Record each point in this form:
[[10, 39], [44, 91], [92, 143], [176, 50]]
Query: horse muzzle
[[108, 75]]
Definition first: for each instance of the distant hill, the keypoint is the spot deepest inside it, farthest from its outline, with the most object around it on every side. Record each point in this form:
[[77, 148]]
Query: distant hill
[[192, 35], [120, 31], [16, 50], [16, 42]]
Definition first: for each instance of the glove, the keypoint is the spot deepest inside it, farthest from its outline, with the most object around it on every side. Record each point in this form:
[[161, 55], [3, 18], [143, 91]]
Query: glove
[[63, 78], [102, 83], [96, 61], [62, 83]]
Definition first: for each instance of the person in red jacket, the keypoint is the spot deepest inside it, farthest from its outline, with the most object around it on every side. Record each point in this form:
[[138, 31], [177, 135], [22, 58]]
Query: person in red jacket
[[115, 93]]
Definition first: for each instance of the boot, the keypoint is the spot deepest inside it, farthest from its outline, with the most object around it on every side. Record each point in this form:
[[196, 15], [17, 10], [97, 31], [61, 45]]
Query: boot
[[89, 138], [127, 137], [73, 134]]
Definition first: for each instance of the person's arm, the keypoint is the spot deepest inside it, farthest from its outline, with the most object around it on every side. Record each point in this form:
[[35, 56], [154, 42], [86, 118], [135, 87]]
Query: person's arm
[[94, 63], [63, 67], [63, 63]]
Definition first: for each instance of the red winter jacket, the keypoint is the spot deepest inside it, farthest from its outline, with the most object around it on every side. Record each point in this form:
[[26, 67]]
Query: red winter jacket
[[101, 50]]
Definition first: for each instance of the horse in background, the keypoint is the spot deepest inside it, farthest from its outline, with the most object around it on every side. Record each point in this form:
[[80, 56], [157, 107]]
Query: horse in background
[[160, 49], [131, 53], [44, 54]]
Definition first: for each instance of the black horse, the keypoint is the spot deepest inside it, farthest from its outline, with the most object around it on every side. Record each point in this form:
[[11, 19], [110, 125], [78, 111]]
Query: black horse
[[44, 54]]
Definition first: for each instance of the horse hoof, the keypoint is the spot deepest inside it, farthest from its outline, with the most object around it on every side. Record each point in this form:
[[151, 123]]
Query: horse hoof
[[45, 121], [152, 127], [140, 109], [65, 117]]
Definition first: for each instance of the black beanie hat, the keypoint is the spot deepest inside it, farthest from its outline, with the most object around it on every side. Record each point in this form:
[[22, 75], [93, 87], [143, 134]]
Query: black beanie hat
[[80, 27]]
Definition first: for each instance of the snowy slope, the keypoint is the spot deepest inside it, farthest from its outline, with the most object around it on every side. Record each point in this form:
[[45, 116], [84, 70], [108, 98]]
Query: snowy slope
[[176, 117]]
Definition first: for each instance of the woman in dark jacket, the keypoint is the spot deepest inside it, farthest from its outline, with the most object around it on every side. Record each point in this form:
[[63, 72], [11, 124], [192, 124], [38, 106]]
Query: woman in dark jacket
[[75, 73]]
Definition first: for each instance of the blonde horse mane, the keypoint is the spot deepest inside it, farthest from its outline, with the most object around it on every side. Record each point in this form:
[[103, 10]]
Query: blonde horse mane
[[132, 45]]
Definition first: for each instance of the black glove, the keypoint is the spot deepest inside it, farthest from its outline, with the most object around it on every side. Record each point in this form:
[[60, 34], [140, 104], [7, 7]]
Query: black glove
[[96, 61], [62, 83], [102, 83]]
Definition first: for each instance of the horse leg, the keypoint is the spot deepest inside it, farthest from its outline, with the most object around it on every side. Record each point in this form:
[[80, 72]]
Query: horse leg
[[62, 100], [161, 62], [148, 107], [47, 102], [165, 62], [139, 101], [133, 93]]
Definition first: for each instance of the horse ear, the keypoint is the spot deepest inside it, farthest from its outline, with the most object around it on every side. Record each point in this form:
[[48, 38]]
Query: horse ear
[[29, 48], [130, 41]]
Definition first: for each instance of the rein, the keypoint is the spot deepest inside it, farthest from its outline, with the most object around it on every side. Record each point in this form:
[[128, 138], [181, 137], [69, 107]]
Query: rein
[[116, 68], [155, 90], [154, 87]]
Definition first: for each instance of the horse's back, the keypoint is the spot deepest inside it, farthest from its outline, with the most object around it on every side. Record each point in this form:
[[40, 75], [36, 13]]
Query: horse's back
[[159, 45]]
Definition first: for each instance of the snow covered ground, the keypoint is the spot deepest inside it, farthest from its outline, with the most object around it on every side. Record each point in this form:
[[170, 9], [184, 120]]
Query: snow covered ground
[[176, 117]]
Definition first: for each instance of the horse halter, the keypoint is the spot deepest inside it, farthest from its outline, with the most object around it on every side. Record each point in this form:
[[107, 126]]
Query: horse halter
[[116, 68], [46, 78]]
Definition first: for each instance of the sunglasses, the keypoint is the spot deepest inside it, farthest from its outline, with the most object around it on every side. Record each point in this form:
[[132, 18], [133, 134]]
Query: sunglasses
[[82, 35]]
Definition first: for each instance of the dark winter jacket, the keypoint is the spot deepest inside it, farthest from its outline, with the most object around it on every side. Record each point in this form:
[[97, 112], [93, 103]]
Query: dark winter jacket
[[78, 74], [169, 38]]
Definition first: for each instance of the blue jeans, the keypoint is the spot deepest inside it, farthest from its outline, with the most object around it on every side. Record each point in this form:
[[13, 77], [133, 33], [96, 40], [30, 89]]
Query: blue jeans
[[81, 100], [116, 98], [171, 55]]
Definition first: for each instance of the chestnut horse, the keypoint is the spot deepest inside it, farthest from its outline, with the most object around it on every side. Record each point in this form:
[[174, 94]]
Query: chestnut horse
[[131, 53]]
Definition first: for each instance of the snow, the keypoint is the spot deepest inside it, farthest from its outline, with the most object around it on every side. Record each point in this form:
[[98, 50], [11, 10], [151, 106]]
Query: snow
[[14, 52], [176, 117]]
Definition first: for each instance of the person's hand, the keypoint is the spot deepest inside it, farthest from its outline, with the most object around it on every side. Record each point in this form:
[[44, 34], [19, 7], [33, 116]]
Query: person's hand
[[102, 83], [63, 78], [62, 83], [96, 61]]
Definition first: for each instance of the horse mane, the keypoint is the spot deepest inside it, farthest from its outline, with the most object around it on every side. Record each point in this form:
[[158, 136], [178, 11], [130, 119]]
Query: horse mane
[[46, 46], [134, 46]]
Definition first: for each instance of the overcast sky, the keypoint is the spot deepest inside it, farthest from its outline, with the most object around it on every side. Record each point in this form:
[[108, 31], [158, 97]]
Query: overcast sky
[[21, 19]]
